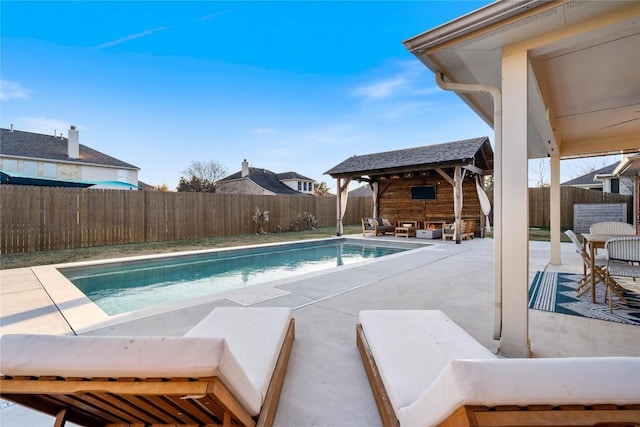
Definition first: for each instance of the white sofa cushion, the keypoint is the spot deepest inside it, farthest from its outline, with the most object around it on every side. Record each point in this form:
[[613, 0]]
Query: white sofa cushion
[[555, 381], [255, 336], [412, 347], [139, 357]]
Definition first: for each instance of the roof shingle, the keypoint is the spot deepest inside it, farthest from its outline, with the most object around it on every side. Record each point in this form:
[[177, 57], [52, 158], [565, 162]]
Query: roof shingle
[[268, 180], [425, 155], [47, 147]]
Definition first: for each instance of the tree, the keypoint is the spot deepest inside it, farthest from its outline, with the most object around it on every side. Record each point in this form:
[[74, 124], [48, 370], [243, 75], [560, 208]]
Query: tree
[[201, 176], [321, 189], [161, 187], [195, 185], [540, 174]]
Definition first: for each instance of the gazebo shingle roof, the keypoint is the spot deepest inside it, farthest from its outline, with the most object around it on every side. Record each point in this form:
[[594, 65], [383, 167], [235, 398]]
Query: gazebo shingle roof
[[444, 153]]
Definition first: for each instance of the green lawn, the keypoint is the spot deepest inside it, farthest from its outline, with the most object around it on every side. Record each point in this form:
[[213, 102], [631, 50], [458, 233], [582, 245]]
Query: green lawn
[[105, 252]]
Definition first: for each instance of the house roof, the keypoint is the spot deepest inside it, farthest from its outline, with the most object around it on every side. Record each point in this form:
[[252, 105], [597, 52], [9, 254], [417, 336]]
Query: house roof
[[266, 179], [589, 178], [17, 143], [292, 175], [362, 191], [419, 158]]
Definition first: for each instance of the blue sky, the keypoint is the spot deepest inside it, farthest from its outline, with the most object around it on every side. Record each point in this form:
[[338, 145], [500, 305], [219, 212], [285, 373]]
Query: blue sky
[[289, 86]]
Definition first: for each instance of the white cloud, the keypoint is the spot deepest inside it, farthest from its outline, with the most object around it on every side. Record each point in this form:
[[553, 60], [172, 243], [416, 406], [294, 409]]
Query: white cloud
[[403, 79], [132, 37], [383, 89], [263, 131], [13, 90], [213, 15]]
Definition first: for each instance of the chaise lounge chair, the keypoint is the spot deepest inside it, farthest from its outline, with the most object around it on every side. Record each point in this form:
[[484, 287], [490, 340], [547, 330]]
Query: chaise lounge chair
[[227, 370], [424, 370]]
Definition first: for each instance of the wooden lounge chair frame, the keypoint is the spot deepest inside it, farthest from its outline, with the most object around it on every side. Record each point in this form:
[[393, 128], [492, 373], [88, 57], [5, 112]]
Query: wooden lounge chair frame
[[376, 229], [507, 415], [468, 230], [150, 402]]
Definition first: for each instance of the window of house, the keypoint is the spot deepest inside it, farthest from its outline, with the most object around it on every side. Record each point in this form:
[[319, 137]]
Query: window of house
[[123, 175], [10, 165], [615, 185], [49, 169], [299, 186], [30, 168]]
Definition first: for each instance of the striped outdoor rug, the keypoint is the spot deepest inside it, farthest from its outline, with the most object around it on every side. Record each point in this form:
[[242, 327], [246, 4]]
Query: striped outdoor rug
[[557, 292]]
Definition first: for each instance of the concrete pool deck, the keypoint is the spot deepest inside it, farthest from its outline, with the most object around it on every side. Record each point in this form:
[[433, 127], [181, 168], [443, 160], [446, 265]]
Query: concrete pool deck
[[325, 384]]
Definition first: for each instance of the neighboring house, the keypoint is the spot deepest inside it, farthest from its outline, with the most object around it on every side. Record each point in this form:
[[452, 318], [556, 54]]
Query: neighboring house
[[262, 181], [603, 180], [362, 191], [28, 158], [146, 187], [629, 168]]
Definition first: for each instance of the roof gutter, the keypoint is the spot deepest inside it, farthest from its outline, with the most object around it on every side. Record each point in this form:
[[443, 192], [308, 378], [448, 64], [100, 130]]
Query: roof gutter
[[625, 164], [474, 21], [497, 208]]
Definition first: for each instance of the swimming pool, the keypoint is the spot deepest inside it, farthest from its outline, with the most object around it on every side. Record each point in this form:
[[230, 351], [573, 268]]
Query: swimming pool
[[133, 285]]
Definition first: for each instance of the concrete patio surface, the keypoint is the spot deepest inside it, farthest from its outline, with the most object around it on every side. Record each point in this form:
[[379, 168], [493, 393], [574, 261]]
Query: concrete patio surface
[[325, 384]]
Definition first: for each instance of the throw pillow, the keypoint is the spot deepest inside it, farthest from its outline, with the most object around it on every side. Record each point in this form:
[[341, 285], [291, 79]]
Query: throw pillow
[[386, 222]]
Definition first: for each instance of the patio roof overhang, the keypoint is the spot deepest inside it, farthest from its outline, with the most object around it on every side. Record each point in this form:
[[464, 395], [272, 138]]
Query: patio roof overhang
[[629, 167], [556, 79], [584, 68]]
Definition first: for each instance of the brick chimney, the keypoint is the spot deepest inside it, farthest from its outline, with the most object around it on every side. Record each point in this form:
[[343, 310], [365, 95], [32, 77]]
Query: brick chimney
[[73, 143], [245, 168]]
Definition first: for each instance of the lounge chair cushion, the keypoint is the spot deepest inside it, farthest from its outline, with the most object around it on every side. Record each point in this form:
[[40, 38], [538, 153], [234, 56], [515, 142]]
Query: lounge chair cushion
[[133, 357], [412, 347], [255, 336], [556, 381]]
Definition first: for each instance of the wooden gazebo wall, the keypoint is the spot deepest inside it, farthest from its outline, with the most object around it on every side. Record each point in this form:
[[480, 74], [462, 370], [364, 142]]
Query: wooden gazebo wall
[[395, 201]]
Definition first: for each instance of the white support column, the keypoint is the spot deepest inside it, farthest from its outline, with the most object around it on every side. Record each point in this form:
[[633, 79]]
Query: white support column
[[514, 251], [554, 207]]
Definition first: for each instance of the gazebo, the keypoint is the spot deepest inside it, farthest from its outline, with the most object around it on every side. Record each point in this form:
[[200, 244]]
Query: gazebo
[[431, 184]]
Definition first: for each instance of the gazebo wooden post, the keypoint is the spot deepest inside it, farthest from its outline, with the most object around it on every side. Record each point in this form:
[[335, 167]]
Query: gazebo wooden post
[[457, 203]]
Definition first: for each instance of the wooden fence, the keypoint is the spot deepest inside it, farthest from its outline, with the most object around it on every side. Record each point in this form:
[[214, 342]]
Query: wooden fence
[[539, 204], [47, 218]]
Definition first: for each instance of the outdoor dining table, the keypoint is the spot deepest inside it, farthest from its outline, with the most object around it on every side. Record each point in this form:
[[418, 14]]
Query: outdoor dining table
[[594, 242]]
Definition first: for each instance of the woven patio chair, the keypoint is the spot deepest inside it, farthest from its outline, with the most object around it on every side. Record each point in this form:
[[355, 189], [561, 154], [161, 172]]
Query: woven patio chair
[[623, 260]]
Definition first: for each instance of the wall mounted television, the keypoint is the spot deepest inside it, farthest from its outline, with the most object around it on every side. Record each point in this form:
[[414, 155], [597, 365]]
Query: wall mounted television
[[423, 192]]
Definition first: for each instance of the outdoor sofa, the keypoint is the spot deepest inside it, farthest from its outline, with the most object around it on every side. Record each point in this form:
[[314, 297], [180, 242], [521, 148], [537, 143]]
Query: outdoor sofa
[[424, 370], [377, 226], [227, 370]]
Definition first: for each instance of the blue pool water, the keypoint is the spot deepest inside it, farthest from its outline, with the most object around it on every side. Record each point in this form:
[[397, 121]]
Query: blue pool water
[[127, 286]]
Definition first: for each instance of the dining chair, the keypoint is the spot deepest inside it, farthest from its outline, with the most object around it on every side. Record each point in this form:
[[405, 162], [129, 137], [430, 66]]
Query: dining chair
[[599, 264], [623, 260]]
